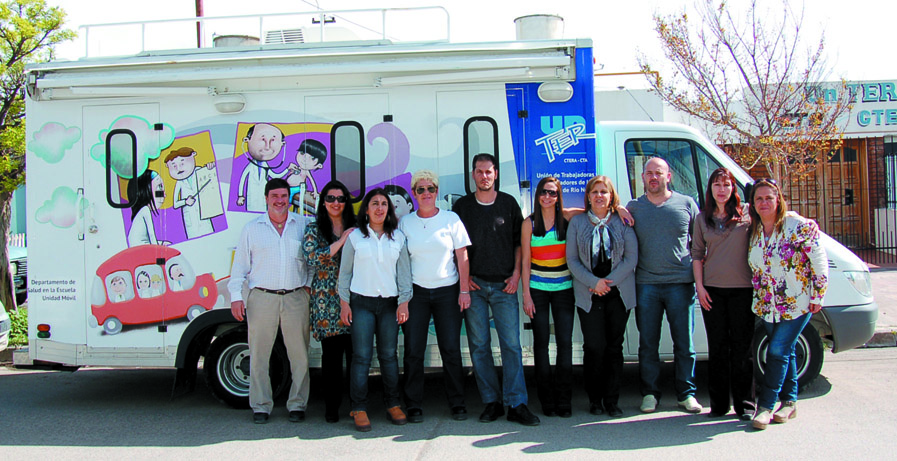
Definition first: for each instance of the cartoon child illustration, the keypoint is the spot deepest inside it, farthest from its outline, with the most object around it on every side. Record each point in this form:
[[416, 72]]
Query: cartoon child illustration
[[143, 285], [175, 274], [264, 142], [119, 289], [156, 287], [182, 166], [309, 157], [146, 192], [400, 198]]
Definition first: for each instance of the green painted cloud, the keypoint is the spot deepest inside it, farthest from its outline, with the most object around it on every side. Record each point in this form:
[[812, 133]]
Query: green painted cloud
[[149, 144], [52, 140], [62, 209]]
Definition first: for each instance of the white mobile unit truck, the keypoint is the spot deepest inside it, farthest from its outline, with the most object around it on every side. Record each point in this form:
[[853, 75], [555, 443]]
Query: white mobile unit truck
[[143, 169]]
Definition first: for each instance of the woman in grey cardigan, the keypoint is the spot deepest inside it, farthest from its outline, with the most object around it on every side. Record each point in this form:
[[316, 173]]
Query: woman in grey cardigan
[[602, 253]]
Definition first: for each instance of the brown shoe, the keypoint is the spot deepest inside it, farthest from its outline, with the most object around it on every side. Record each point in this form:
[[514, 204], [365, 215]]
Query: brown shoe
[[362, 423], [396, 415]]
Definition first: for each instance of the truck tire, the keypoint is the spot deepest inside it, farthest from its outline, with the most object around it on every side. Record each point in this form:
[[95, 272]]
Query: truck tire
[[808, 351], [227, 368]]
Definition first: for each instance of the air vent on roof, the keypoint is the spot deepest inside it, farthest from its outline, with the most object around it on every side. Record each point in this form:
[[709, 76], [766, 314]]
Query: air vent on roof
[[284, 36]]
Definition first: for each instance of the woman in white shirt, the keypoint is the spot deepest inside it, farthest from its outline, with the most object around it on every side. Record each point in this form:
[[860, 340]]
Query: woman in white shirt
[[374, 290], [436, 240]]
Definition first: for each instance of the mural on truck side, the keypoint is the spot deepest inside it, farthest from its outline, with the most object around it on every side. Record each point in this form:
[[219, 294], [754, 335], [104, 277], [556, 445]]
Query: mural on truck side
[[150, 139], [133, 288], [178, 196]]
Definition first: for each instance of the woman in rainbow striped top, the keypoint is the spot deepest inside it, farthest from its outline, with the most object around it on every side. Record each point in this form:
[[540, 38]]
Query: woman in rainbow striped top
[[548, 285]]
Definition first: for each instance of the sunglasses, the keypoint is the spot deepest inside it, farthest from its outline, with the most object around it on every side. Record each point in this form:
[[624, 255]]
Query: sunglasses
[[335, 198], [430, 189], [550, 193]]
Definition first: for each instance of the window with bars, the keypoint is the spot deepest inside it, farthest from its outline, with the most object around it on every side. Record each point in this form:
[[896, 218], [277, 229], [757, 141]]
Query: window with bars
[[891, 170]]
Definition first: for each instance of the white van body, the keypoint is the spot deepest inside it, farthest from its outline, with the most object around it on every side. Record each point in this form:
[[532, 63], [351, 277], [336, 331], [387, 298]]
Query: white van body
[[381, 110]]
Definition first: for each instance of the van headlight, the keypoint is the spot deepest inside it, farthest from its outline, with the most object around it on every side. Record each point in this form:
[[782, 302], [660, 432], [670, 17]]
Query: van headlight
[[860, 281]]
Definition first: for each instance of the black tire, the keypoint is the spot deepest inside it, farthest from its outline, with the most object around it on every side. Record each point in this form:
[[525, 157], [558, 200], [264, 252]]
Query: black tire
[[808, 350], [227, 368]]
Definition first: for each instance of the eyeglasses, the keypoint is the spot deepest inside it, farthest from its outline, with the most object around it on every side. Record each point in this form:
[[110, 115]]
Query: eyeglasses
[[430, 189], [549, 192], [768, 181], [335, 198]]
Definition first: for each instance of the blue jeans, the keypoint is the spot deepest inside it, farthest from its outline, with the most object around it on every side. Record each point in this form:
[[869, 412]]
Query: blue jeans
[[442, 304], [780, 379], [677, 301], [370, 316], [479, 338]]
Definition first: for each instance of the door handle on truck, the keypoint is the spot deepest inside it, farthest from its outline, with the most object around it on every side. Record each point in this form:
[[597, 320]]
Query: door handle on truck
[[79, 218]]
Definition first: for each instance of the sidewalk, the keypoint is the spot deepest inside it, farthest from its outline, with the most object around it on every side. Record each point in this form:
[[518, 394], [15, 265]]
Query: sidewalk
[[884, 289]]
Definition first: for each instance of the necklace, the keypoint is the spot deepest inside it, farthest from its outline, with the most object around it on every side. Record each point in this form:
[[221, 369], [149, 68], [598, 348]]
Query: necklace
[[278, 225], [426, 219]]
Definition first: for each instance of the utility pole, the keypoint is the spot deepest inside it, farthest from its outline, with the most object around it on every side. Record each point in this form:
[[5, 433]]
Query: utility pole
[[198, 24]]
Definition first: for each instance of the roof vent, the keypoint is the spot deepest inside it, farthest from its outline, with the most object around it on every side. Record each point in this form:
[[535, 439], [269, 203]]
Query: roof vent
[[234, 40], [283, 36], [540, 27]]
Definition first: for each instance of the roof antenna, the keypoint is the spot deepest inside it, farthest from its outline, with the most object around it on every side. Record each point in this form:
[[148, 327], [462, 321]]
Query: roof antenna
[[623, 88]]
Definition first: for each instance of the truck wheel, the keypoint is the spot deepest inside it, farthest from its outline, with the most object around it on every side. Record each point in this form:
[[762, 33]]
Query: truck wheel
[[194, 312], [808, 351], [112, 326], [227, 368]]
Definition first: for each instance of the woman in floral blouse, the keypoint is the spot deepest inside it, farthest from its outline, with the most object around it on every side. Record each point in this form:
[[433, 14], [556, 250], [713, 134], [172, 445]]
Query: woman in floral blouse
[[790, 276], [323, 243]]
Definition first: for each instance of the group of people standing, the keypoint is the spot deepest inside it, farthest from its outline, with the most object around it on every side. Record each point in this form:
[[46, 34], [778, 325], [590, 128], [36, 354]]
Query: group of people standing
[[348, 281]]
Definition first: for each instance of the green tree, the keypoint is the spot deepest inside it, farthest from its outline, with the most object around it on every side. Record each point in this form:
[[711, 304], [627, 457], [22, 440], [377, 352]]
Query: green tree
[[751, 78], [29, 29]]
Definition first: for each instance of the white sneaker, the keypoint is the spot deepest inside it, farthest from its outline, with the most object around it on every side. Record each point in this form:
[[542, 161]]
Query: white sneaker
[[762, 418], [649, 404], [691, 405]]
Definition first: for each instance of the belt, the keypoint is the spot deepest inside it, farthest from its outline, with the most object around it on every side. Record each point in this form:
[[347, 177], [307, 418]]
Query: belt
[[277, 292]]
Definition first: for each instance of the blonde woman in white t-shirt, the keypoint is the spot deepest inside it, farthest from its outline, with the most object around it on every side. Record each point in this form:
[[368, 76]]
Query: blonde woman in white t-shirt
[[437, 243]]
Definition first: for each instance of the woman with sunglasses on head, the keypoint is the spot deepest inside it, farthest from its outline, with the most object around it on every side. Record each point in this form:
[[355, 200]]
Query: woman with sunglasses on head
[[374, 290], [323, 243], [548, 293], [790, 277], [602, 252], [724, 290], [437, 243]]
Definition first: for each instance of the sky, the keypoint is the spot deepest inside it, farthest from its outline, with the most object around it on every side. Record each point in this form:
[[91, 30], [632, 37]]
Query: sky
[[857, 37]]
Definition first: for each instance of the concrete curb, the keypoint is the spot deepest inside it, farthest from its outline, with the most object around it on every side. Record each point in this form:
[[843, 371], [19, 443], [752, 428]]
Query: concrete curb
[[887, 338]]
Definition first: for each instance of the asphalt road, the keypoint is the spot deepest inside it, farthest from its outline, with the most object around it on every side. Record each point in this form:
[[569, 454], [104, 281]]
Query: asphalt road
[[847, 413]]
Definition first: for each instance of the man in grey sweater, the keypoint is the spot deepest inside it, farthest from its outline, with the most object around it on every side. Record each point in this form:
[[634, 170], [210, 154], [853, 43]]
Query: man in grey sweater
[[664, 284]]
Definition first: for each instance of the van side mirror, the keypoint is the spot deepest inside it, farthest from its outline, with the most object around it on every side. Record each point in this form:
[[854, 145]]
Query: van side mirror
[[748, 188]]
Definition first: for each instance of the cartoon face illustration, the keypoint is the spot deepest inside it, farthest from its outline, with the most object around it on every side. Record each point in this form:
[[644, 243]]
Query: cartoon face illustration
[[158, 186], [143, 280], [182, 167], [307, 161], [400, 199], [119, 286], [175, 272], [156, 283], [264, 141]]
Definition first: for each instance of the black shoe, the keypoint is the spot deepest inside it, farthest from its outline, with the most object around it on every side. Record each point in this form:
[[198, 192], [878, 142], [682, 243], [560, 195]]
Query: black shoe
[[613, 410], [459, 413], [297, 416], [415, 415], [595, 409], [565, 412], [331, 417], [493, 411], [522, 415], [260, 418], [549, 411]]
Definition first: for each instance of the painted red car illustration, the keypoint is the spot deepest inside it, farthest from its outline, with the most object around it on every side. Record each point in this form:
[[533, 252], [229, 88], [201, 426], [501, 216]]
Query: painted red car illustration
[[148, 284]]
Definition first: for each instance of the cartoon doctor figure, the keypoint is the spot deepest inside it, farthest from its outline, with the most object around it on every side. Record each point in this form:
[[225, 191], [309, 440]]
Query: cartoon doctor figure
[[182, 166], [264, 142]]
